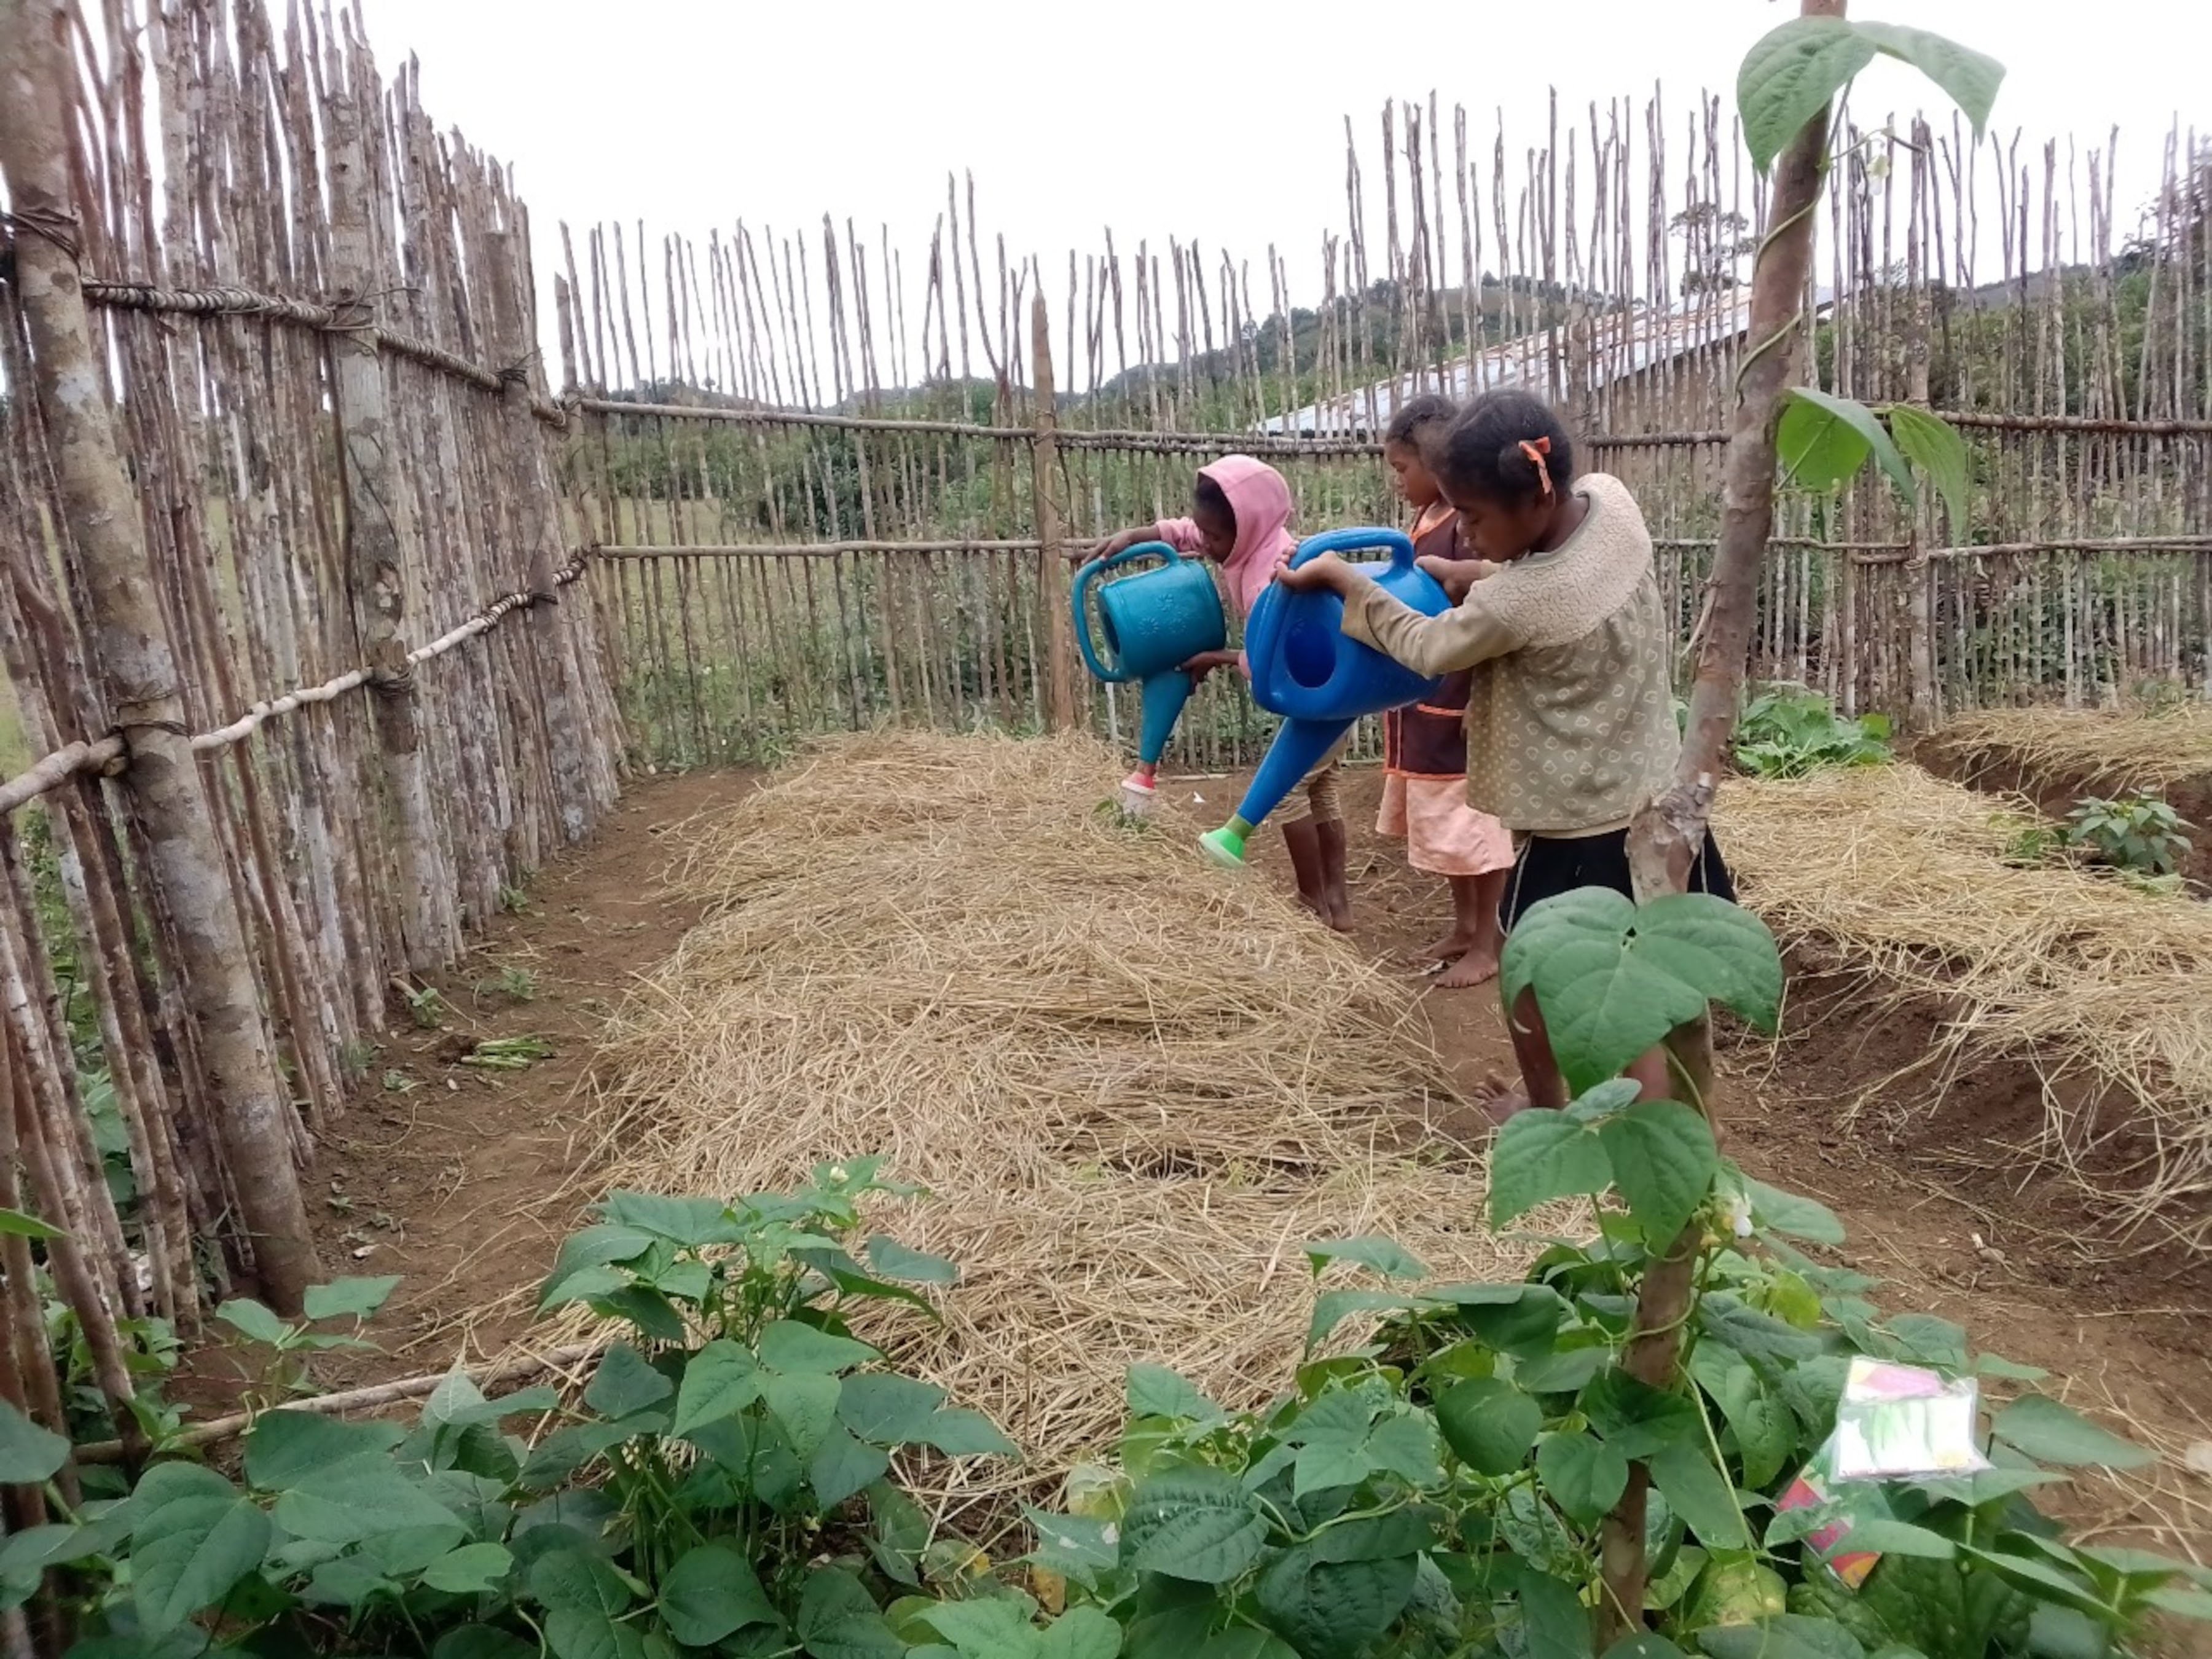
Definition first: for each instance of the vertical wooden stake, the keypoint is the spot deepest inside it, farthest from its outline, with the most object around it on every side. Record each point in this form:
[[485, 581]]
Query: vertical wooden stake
[[130, 645], [1052, 569], [1669, 833], [375, 572]]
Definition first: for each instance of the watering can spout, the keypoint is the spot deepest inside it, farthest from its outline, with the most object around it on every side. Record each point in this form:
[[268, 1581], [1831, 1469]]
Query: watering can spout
[[1298, 747], [1164, 695]]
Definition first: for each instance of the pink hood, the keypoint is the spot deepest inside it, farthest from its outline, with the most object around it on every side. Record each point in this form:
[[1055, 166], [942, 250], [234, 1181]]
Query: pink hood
[[1261, 501]]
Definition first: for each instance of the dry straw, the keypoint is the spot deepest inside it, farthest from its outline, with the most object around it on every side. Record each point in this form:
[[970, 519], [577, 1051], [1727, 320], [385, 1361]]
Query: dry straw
[[2102, 747], [2106, 991], [1134, 1086]]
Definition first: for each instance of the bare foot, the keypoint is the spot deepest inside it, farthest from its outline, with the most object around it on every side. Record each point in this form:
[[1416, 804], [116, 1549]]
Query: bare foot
[[1450, 948], [1337, 912], [1500, 1100], [1472, 969]]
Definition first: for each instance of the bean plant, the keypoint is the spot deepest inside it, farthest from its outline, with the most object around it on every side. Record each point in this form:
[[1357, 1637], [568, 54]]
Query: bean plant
[[723, 1482], [1456, 1484]]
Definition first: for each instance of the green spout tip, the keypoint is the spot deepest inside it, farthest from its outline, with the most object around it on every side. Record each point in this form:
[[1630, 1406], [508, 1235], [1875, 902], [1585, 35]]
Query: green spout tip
[[1226, 846]]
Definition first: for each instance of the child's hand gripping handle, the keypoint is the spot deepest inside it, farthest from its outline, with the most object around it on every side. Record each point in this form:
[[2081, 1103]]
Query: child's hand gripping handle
[[1357, 539], [1080, 589]]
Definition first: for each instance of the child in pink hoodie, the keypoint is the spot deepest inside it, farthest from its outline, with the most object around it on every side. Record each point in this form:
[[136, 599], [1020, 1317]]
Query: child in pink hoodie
[[1240, 515]]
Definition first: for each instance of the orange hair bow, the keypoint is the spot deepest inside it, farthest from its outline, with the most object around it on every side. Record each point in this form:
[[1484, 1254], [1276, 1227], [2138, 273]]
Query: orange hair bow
[[1536, 449]]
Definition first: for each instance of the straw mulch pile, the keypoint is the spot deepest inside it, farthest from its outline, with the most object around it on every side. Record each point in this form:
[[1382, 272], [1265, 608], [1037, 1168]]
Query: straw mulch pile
[[2109, 747], [1133, 1084], [2105, 990]]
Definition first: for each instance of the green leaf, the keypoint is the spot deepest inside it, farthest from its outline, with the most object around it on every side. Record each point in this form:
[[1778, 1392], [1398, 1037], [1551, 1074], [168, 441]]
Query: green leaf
[[590, 1250], [895, 1260], [1385, 1255], [1583, 1476], [1644, 1645], [1557, 1624], [1611, 980], [1696, 1490], [1378, 1537], [1663, 1161], [481, 1641], [1407, 1446], [186, 1556], [573, 1635], [570, 1580], [959, 1432], [1788, 1637], [342, 1299], [687, 1223], [1244, 1643], [2044, 1429], [1193, 1523], [1882, 1534], [790, 1347], [358, 1499], [887, 1408], [1721, 951], [805, 1405], [285, 1448], [254, 1322], [1824, 438], [1765, 1430], [1489, 1424], [842, 1466], [837, 1620], [1539, 1156], [1331, 1308], [1074, 1545], [469, 1571], [560, 1455], [1638, 1420], [625, 1385], [1791, 1213], [1155, 1391], [1081, 1633], [15, 1224], [711, 1593], [1933, 444], [1790, 76], [28, 1453], [720, 1381], [1971, 78], [989, 1627], [1330, 1610]]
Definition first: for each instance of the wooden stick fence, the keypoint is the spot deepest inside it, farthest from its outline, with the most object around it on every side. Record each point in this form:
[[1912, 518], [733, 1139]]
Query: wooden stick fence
[[274, 468]]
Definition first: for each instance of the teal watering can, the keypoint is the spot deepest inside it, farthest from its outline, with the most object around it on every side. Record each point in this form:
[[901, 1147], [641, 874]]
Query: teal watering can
[[1149, 625], [1319, 681]]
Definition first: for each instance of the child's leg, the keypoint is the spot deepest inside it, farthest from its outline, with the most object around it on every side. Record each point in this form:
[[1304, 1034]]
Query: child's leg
[[1303, 837], [1334, 895], [1326, 813], [1475, 932], [1541, 1085]]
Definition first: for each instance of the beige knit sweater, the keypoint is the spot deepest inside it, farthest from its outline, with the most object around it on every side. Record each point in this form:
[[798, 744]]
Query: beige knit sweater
[[1570, 721]]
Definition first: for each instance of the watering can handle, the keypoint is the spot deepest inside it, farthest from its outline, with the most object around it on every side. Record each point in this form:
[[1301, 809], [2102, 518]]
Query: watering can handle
[[1079, 589], [1396, 544]]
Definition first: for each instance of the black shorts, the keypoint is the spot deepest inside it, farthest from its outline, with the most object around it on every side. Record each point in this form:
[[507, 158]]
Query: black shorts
[[1547, 866]]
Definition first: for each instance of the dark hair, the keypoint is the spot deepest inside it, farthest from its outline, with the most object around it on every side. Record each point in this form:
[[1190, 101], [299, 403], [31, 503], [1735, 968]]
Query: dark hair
[[1212, 497], [1481, 455], [1428, 410]]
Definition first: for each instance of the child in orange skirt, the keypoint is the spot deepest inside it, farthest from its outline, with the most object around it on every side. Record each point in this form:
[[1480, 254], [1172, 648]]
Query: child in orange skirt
[[1424, 746]]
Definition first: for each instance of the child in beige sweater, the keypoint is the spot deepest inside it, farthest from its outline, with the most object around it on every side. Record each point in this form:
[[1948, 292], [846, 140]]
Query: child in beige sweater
[[1570, 715]]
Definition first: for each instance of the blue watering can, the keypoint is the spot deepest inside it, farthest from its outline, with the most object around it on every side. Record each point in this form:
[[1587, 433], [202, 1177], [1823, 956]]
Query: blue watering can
[[1150, 625], [1307, 670]]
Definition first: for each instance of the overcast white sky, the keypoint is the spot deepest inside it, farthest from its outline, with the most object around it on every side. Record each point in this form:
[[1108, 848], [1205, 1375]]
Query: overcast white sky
[[1158, 116]]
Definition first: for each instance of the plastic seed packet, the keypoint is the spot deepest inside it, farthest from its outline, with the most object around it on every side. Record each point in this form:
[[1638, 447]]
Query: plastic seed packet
[[1814, 1486], [1895, 1422]]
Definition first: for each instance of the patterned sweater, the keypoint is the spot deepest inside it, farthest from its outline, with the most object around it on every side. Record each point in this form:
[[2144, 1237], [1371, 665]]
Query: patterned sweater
[[1570, 715]]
